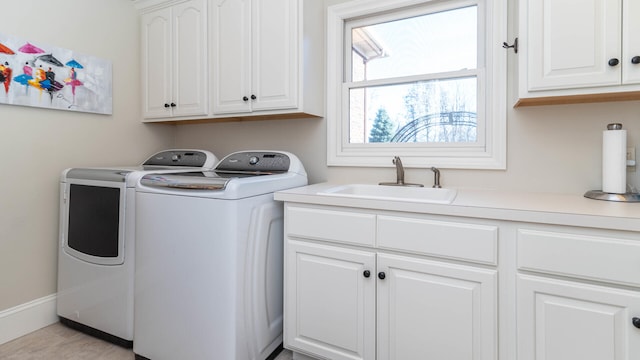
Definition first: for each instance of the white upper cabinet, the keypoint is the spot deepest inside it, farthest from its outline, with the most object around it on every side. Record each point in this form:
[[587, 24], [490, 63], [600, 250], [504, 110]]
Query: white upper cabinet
[[156, 44], [631, 44], [571, 43], [578, 51], [231, 48], [174, 60], [222, 59], [261, 65]]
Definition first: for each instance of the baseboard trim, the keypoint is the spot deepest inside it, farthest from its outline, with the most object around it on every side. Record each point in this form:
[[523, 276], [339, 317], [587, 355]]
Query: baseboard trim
[[28, 317]]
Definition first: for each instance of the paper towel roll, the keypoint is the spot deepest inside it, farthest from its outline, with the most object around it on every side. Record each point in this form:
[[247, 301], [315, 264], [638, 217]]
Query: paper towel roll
[[614, 161]]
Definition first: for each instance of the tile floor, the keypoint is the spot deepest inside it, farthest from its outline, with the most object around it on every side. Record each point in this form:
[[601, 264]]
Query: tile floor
[[58, 342]]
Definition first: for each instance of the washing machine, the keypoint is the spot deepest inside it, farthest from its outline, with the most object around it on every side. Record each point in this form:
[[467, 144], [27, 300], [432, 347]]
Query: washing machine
[[209, 259], [97, 237]]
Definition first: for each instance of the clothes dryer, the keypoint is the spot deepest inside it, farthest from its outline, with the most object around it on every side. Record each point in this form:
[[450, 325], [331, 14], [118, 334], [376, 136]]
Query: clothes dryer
[[97, 237]]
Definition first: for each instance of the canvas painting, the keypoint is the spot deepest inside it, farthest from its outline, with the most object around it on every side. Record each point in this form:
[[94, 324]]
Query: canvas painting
[[51, 77]]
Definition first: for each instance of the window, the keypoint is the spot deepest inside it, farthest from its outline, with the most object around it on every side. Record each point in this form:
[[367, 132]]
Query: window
[[424, 80]]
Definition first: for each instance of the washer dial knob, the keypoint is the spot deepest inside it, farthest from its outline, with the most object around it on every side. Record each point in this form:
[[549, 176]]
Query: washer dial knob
[[253, 160]]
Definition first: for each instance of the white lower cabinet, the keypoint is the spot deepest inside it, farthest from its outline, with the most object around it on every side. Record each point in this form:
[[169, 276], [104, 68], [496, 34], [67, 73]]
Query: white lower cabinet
[[577, 294], [329, 302], [348, 302], [371, 284], [560, 320], [433, 310]]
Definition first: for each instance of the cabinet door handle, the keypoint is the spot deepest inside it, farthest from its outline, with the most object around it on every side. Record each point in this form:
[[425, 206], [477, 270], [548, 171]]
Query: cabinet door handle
[[253, 97], [166, 105], [244, 98], [636, 322], [614, 62], [381, 275], [366, 273], [635, 60], [173, 105]]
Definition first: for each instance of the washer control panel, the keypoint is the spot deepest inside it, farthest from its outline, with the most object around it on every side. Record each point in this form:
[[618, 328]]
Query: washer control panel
[[192, 158], [255, 161]]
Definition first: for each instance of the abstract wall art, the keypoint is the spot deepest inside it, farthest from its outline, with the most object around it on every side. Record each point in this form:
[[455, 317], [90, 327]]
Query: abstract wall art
[[52, 77]]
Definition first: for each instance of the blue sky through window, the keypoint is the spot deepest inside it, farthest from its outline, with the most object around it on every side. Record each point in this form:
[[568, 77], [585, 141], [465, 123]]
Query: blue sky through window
[[434, 43]]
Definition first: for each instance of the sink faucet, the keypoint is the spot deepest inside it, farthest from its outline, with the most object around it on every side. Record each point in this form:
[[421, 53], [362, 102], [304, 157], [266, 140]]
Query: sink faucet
[[399, 175], [436, 177], [399, 170]]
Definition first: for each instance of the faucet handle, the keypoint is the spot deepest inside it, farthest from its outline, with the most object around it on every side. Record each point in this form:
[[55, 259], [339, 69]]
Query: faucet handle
[[436, 177], [399, 170]]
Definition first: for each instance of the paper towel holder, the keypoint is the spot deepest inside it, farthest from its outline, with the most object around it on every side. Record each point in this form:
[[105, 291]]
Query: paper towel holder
[[612, 196], [601, 195]]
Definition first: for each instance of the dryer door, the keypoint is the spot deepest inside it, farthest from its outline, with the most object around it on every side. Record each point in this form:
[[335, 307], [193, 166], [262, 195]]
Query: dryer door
[[93, 220]]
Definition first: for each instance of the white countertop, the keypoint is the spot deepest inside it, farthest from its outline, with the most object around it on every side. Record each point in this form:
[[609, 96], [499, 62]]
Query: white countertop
[[547, 208]]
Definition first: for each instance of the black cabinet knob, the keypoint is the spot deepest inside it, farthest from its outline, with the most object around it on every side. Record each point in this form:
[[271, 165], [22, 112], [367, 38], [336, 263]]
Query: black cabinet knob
[[381, 275], [253, 97], [636, 322], [244, 98], [614, 62], [173, 105], [166, 105], [366, 273], [635, 60]]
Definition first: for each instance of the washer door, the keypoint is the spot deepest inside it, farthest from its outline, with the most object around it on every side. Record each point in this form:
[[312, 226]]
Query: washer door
[[93, 221]]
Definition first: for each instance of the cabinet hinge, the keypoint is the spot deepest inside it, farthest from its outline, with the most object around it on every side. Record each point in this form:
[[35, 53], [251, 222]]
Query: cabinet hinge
[[514, 45]]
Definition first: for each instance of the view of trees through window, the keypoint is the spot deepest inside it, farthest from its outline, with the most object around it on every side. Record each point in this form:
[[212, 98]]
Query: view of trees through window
[[410, 79]]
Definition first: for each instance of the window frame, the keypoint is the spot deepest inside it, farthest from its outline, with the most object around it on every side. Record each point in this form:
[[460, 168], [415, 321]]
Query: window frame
[[490, 150]]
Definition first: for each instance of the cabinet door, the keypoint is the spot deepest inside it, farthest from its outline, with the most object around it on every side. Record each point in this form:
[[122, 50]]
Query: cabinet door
[[190, 58], [433, 310], [560, 320], [156, 63], [631, 44], [275, 54], [231, 52], [570, 43], [329, 302]]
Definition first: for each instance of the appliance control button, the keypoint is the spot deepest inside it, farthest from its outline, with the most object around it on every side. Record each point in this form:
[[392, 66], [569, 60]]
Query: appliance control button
[[253, 160]]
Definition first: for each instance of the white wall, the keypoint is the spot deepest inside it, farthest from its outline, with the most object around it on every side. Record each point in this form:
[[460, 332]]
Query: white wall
[[550, 148], [37, 144]]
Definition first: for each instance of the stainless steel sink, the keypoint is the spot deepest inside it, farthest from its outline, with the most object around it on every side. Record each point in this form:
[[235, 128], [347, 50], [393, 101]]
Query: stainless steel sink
[[395, 193]]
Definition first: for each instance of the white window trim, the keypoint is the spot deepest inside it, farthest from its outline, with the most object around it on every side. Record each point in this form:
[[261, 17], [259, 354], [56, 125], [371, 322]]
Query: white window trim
[[490, 154]]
